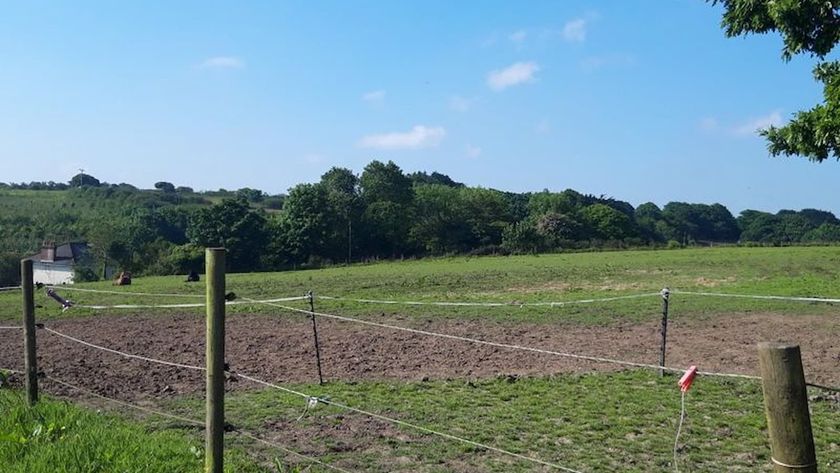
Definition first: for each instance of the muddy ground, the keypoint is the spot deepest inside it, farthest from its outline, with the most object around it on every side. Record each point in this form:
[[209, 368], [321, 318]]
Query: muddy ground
[[280, 349]]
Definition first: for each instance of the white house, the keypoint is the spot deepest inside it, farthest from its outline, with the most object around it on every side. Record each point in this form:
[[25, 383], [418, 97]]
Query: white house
[[55, 264]]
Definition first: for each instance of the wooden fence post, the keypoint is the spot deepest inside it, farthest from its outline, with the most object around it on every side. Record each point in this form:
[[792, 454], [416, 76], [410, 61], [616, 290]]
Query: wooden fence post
[[786, 408], [666, 293], [215, 359], [30, 361]]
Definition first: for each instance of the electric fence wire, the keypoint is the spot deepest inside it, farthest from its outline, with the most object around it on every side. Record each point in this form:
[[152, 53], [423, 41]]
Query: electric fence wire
[[597, 359], [490, 304], [324, 401], [177, 306], [192, 422], [406, 424], [756, 296], [9, 288]]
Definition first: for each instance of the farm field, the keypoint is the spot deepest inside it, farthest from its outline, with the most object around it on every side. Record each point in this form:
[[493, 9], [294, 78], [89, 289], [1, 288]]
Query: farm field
[[583, 415]]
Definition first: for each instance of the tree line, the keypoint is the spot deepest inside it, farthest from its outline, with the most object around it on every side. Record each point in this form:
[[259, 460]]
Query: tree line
[[382, 213]]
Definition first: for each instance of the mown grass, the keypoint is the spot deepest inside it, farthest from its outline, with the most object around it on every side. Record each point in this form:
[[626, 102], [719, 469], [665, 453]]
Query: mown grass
[[622, 421], [57, 437], [794, 271]]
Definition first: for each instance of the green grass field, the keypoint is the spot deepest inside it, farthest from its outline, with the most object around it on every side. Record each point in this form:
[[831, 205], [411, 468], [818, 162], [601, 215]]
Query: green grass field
[[792, 271], [622, 421]]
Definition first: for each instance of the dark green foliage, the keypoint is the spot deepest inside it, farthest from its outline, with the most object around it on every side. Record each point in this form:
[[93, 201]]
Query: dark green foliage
[[82, 180], [421, 177], [806, 26], [234, 226], [165, 186], [9, 270], [383, 213], [251, 195]]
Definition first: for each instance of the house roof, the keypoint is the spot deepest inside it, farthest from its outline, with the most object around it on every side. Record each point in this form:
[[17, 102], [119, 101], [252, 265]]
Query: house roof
[[63, 252]]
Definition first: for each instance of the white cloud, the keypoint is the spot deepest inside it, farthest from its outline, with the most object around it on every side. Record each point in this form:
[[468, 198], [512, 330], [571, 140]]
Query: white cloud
[[459, 104], [518, 37], [418, 137], [514, 74], [374, 96], [759, 123], [223, 62], [575, 30], [473, 151]]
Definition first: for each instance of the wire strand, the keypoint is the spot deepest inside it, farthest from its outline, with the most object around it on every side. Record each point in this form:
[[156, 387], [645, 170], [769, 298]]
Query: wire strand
[[490, 304], [11, 327], [756, 296], [178, 306], [506, 345], [826, 388], [123, 403], [406, 424], [191, 421], [291, 452], [679, 429], [123, 293], [9, 288], [124, 354]]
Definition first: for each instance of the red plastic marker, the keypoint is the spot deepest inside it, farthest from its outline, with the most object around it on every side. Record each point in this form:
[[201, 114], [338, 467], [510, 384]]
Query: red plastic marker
[[687, 378]]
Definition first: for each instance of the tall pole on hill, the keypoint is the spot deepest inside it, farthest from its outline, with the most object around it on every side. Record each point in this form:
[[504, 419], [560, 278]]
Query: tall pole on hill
[[30, 361], [215, 359], [786, 408]]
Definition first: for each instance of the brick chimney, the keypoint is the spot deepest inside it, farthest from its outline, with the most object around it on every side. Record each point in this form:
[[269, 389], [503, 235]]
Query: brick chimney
[[48, 251]]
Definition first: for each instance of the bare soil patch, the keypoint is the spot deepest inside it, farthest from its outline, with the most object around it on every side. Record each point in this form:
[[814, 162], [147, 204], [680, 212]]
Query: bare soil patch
[[280, 349]]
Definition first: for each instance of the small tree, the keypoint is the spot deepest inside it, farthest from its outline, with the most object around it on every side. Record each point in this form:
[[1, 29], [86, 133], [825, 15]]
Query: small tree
[[806, 26], [167, 187]]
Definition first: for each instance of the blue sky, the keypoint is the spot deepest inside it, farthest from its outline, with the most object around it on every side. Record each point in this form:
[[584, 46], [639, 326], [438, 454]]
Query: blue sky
[[643, 101]]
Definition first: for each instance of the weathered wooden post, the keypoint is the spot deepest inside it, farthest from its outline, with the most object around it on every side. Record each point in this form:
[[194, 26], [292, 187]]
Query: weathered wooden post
[[666, 294], [30, 362], [215, 359], [786, 408]]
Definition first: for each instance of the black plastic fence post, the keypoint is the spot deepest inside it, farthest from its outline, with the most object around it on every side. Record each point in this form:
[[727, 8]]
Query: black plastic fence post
[[311, 297], [666, 293]]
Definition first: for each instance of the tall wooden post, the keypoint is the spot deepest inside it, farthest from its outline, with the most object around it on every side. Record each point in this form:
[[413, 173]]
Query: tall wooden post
[[786, 408], [666, 294], [30, 362], [215, 359]]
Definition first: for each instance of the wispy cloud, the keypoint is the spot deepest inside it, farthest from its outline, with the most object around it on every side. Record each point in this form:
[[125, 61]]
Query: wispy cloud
[[420, 136], [374, 96], [472, 152], [515, 74], [459, 104], [753, 125], [223, 62], [575, 30]]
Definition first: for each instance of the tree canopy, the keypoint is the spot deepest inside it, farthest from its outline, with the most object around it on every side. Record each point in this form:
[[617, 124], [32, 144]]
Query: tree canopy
[[807, 27]]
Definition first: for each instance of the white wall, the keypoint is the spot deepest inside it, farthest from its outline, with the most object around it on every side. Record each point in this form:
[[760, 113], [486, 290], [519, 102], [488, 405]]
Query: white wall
[[59, 272]]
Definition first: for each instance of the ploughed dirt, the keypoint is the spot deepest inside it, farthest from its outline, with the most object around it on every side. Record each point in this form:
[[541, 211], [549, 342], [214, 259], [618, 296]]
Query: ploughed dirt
[[281, 349]]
